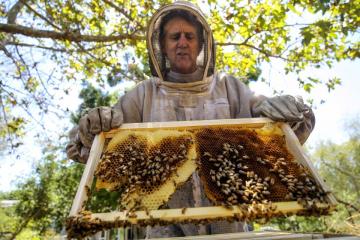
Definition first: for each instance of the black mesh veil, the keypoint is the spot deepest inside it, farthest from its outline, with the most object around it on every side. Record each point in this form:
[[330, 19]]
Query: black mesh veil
[[159, 64]]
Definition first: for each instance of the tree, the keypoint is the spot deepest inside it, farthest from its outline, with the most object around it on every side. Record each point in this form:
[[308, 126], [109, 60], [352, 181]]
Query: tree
[[46, 44], [46, 196], [340, 166]]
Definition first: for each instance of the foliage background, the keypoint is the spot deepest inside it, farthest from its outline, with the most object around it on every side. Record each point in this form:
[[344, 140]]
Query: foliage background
[[61, 57]]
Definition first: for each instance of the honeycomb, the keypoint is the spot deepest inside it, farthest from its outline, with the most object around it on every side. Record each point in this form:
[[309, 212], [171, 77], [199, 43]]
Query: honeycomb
[[240, 165], [236, 165], [147, 166]]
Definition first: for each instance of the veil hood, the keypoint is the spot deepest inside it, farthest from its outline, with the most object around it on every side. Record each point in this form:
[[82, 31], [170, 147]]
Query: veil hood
[[159, 64]]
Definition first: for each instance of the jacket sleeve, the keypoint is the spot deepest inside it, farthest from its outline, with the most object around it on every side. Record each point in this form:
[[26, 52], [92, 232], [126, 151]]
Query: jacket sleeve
[[130, 105]]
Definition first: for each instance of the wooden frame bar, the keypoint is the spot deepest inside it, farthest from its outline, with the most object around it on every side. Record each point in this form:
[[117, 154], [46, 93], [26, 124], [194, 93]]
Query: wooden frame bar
[[295, 148], [199, 213], [245, 122], [88, 175]]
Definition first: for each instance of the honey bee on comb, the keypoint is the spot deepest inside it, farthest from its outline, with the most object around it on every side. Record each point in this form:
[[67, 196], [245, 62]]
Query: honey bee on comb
[[236, 166], [148, 165], [247, 173], [246, 166]]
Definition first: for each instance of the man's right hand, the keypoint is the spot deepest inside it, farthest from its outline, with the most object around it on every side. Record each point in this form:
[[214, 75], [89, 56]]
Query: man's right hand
[[100, 119]]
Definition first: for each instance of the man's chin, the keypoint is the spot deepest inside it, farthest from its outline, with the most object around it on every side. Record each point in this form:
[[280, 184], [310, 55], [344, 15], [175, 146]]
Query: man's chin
[[184, 69]]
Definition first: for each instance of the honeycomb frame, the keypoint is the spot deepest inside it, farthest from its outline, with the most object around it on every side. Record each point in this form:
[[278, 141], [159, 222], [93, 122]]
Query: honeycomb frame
[[85, 222]]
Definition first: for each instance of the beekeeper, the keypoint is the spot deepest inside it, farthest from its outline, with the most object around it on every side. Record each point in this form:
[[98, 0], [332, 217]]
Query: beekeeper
[[186, 86]]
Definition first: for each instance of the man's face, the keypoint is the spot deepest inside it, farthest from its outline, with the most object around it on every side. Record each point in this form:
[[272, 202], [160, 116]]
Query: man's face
[[181, 45]]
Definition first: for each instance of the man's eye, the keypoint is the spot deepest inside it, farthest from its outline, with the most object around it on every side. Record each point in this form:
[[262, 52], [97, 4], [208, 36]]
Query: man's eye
[[175, 36], [189, 36]]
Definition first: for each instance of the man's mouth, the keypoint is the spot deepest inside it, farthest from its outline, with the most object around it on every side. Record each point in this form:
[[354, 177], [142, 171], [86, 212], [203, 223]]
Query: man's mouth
[[182, 54]]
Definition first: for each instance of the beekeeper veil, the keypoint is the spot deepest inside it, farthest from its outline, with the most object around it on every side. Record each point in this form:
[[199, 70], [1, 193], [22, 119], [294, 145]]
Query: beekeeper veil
[[159, 63]]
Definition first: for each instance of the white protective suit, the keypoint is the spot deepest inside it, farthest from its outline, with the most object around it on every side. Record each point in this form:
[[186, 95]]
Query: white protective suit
[[203, 95]]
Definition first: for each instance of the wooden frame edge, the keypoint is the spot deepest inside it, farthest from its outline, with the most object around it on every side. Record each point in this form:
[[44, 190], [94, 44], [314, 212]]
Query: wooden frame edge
[[253, 122], [301, 156], [88, 174], [199, 213]]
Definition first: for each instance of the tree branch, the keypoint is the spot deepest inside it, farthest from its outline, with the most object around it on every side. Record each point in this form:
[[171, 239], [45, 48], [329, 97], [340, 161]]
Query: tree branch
[[103, 60], [14, 11], [40, 78], [340, 170], [19, 44], [39, 15], [70, 36], [117, 8], [24, 224], [253, 47], [354, 179], [128, 16], [6, 121], [347, 204], [26, 109]]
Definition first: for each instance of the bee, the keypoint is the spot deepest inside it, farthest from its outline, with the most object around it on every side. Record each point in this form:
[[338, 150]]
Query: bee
[[228, 206], [250, 174], [87, 190], [175, 184], [207, 154], [132, 215], [183, 210]]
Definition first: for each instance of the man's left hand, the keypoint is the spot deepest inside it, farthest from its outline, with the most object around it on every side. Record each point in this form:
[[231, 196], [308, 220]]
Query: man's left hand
[[282, 108]]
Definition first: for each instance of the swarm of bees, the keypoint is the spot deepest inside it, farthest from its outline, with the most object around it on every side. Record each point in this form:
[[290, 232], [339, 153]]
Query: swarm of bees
[[240, 167], [236, 165], [140, 167]]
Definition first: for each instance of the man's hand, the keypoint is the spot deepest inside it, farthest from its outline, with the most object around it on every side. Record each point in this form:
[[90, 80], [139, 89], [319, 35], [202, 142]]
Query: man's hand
[[282, 108], [75, 150], [100, 119]]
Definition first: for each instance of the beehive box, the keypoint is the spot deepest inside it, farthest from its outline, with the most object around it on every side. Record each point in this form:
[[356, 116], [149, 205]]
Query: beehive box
[[250, 169]]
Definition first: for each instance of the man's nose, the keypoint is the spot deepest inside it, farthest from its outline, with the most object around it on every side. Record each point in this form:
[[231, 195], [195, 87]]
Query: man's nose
[[183, 42]]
